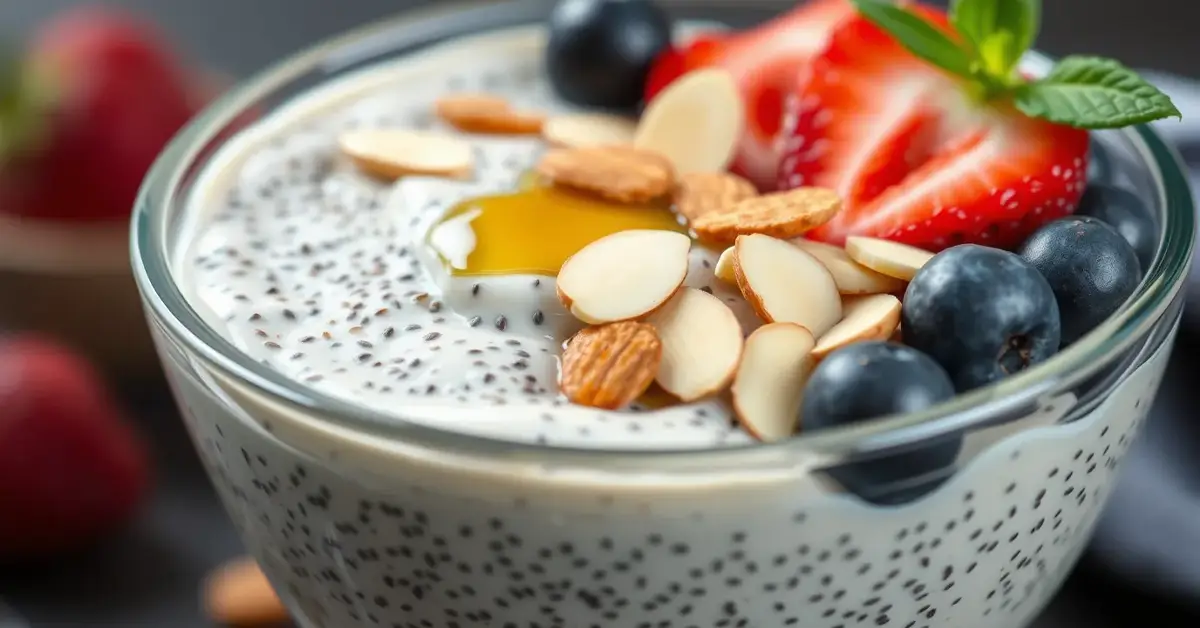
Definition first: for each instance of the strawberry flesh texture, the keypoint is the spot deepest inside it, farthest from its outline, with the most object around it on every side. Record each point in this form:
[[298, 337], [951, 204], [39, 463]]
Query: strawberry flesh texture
[[766, 62], [70, 468], [119, 98], [915, 158]]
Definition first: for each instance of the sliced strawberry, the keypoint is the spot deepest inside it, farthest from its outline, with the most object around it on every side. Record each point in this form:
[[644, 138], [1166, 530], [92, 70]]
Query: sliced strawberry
[[915, 156], [766, 61]]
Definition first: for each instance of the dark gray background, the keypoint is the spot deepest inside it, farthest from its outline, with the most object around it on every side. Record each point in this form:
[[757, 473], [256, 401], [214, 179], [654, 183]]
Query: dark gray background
[[149, 577]]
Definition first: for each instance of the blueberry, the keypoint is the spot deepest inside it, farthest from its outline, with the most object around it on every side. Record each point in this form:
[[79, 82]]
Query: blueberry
[[1089, 266], [1124, 211], [1100, 163], [982, 313], [874, 379], [600, 51]]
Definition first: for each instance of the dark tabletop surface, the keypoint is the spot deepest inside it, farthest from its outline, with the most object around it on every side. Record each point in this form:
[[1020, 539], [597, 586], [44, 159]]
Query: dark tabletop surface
[[149, 576]]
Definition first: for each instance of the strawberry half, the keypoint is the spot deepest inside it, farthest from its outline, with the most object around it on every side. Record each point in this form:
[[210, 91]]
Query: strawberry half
[[917, 157], [766, 62]]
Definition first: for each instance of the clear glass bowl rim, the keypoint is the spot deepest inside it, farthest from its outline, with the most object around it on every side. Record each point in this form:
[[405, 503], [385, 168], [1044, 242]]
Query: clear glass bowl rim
[[988, 406]]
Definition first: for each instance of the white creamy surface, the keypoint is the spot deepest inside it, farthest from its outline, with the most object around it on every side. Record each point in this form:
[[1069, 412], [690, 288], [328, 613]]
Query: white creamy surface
[[325, 275]]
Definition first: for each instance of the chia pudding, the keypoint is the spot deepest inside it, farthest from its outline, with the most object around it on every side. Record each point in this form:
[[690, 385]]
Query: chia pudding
[[431, 300]]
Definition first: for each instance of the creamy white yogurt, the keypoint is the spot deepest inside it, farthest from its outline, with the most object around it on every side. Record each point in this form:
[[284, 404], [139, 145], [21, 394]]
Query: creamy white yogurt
[[327, 275]]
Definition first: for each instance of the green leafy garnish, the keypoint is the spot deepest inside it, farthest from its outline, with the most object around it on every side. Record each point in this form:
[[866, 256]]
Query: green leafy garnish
[[988, 39]]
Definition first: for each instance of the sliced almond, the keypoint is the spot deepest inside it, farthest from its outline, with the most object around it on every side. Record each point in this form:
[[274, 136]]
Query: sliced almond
[[781, 215], [786, 285], [617, 173], [394, 153], [487, 114], [871, 317], [700, 193], [623, 276], [724, 268], [696, 121], [850, 276], [770, 380], [610, 366], [588, 129], [885, 256], [702, 344], [238, 594]]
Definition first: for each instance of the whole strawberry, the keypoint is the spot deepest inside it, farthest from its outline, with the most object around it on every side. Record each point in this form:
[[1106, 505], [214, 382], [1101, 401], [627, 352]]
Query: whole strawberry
[[71, 469], [923, 122], [83, 114]]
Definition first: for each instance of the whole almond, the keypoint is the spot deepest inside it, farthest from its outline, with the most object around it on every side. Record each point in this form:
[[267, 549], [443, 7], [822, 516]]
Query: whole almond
[[610, 366], [701, 193], [781, 215], [618, 173]]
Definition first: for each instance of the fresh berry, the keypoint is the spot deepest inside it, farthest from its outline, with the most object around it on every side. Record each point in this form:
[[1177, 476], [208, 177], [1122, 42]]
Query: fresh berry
[[70, 468], [766, 61], [1124, 211], [917, 158], [1090, 267], [982, 313], [868, 380], [600, 51], [95, 98], [1100, 164]]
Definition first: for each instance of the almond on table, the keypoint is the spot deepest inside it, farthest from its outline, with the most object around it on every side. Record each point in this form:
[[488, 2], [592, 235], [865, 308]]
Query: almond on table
[[702, 344], [238, 594], [588, 129], [617, 173], [780, 215], [486, 114], [610, 366], [700, 193], [624, 276], [786, 285], [394, 153], [770, 381]]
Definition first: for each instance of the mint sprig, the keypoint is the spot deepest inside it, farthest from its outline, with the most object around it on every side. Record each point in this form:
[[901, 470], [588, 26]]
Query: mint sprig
[[988, 39]]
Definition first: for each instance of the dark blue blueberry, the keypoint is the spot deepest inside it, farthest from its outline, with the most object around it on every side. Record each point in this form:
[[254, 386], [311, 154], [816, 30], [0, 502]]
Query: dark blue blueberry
[[1101, 168], [1124, 211], [600, 51], [874, 379], [982, 313], [1089, 266]]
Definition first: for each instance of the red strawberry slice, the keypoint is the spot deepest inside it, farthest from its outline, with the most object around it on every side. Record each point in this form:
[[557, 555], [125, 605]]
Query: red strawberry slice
[[766, 62], [916, 158]]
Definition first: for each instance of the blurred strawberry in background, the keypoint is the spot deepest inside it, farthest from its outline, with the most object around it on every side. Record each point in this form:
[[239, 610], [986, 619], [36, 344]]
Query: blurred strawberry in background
[[84, 112], [71, 468]]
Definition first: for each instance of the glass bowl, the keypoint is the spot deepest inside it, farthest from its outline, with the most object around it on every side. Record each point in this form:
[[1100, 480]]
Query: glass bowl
[[361, 519]]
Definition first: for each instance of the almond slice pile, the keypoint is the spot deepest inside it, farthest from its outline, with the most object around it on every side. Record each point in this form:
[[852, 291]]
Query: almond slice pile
[[393, 153], [850, 276], [770, 381], [487, 115], [624, 276]]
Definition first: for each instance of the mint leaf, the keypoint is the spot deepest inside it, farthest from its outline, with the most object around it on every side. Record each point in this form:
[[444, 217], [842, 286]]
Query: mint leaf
[[918, 36], [1094, 93], [1000, 30]]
